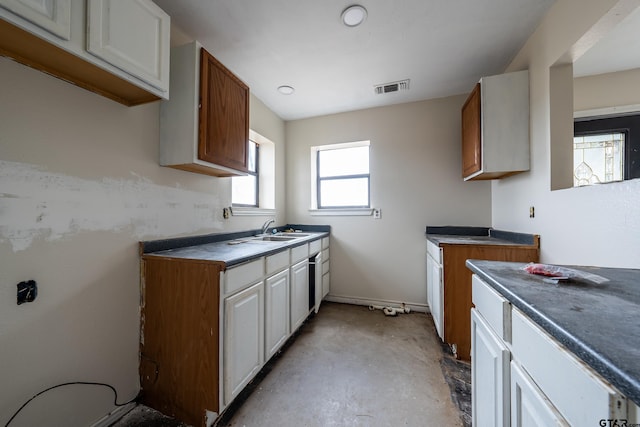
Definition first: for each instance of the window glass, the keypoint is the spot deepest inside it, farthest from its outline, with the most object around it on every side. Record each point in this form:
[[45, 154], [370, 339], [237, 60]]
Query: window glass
[[598, 158], [244, 189], [344, 161], [344, 192]]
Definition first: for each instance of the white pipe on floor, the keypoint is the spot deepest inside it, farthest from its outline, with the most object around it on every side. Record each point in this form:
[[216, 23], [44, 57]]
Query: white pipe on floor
[[389, 310]]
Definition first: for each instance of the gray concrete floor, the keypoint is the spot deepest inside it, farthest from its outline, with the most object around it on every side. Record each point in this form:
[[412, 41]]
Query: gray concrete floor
[[349, 366]]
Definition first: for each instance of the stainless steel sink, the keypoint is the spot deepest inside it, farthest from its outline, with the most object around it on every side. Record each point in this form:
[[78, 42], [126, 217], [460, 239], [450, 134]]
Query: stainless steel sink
[[292, 235], [273, 238]]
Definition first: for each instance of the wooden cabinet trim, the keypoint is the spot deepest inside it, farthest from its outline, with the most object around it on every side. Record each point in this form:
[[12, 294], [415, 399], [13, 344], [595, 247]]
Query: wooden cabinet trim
[[472, 133], [41, 55]]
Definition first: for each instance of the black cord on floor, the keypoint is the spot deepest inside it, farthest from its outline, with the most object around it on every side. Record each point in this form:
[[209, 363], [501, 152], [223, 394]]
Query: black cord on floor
[[115, 398]]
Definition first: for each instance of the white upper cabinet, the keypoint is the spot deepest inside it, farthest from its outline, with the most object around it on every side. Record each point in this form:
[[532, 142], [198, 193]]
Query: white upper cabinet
[[117, 49], [51, 15], [131, 35]]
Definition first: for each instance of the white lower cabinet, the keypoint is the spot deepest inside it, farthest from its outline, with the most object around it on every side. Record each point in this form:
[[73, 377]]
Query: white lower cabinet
[[277, 316], [435, 292], [523, 377], [529, 406], [299, 293], [489, 375], [243, 338]]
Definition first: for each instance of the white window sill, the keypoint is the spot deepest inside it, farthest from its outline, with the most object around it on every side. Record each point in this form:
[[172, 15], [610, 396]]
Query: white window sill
[[342, 212], [245, 211]]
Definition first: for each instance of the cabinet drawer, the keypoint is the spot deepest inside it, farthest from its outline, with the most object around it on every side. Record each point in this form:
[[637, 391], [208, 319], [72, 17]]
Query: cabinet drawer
[[579, 394], [315, 247], [435, 251], [277, 261], [325, 267], [325, 255], [299, 253], [325, 243], [494, 308], [241, 276]]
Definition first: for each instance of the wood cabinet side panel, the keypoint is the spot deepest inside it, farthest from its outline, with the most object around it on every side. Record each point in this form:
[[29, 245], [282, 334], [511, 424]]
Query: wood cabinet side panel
[[224, 115], [471, 134], [41, 55], [457, 286], [179, 338]]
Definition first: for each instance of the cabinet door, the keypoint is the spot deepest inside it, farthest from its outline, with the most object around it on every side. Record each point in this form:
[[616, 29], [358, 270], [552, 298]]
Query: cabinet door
[[224, 115], [299, 293], [133, 36], [471, 134], [276, 312], [326, 284], [436, 291], [51, 15], [529, 407], [243, 338], [489, 375]]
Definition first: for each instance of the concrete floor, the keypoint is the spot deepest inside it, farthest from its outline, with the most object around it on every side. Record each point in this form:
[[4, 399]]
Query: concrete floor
[[349, 366]]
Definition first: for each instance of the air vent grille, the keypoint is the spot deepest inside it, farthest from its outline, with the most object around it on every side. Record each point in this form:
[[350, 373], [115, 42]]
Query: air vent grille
[[392, 87]]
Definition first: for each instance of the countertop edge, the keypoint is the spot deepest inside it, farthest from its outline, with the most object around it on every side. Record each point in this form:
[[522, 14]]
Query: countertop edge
[[242, 259], [630, 387]]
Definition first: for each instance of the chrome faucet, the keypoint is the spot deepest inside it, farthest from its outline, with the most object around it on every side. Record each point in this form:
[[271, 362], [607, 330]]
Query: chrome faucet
[[265, 226]]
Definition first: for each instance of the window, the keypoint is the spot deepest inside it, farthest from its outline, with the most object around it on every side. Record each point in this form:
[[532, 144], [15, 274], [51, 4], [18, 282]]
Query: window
[[254, 194], [342, 175], [245, 189], [606, 149]]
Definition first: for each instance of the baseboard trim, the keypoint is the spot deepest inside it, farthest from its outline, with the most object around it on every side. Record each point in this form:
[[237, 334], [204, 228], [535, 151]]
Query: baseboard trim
[[114, 415], [421, 308]]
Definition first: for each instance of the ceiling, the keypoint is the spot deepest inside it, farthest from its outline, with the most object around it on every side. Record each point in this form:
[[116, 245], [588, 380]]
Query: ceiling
[[616, 51], [442, 46]]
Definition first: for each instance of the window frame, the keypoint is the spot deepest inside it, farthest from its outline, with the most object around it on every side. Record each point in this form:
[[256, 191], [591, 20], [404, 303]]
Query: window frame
[[629, 124], [256, 174], [316, 183]]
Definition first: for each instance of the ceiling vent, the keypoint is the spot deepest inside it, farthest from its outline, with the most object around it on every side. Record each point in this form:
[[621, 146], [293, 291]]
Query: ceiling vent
[[392, 87]]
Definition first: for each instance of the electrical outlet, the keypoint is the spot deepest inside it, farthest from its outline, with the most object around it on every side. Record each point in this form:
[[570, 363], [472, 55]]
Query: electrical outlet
[[532, 212], [27, 291], [377, 213], [226, 212]]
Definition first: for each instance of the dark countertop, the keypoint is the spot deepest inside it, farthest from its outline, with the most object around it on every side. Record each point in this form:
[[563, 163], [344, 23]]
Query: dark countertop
[[597, 322], [228, 248], [460, 235]]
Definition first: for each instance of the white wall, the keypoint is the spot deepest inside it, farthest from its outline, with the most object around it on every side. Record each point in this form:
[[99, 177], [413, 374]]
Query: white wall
[[596, 225], [415, 179], [611, 90], [80, 185]]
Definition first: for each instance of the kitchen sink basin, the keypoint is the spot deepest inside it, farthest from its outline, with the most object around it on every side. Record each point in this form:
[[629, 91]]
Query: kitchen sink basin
[[273, 238], [292, 235]]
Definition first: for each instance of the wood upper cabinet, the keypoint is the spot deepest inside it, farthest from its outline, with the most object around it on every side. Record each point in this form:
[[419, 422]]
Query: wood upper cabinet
[[117, 49], [224, 115], [471, 137], [495, 127], [204, 127]]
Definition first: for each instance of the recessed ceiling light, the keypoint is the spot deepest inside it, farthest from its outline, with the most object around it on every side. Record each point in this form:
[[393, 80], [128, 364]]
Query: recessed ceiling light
[[286, 90], [354, 15]]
